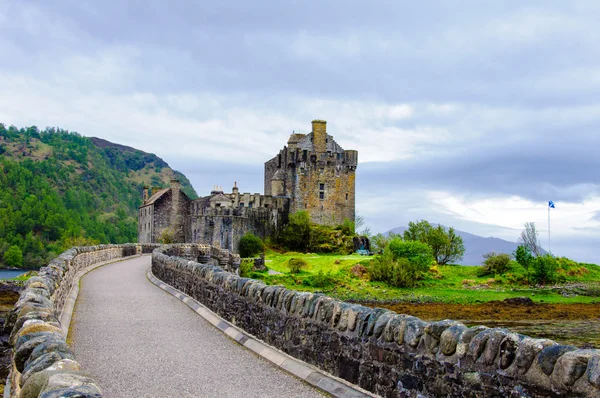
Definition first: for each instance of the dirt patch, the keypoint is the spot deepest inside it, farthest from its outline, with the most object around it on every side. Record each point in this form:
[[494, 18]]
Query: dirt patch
[[497, 310]]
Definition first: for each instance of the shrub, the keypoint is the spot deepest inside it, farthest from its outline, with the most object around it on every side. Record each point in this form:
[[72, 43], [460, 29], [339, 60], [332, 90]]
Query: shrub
[[167, 236], [544, 270], [523, 256], [399, 273], [296, 234], [246, 266], [418, 253], [250, 245], [296, 265], [359, 270], [446, 245], [495, 264], [13, 257], [320, 279]]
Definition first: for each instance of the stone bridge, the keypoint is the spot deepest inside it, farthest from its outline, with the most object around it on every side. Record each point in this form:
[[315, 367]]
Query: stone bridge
[[182, 323]]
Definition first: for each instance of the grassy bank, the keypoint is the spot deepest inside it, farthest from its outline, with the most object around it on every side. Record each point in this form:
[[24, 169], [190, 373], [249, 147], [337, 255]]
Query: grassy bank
[[345, 277]]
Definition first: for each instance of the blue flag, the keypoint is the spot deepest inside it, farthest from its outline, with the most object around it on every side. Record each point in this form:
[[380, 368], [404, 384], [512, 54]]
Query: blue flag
[[551, 204]]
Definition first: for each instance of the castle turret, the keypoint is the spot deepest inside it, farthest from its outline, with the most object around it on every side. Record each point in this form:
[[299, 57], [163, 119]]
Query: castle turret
[[319, 128]]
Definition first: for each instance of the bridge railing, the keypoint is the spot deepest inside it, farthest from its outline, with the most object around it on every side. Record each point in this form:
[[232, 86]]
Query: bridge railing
[[42, 362], [381, 351]]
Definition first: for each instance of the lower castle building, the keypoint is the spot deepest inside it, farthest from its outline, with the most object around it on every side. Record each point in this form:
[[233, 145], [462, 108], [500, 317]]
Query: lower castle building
[[312, 173]]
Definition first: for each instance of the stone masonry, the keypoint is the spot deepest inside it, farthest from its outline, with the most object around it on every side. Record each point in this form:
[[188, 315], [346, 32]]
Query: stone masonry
[[313, 173], [389, 354]]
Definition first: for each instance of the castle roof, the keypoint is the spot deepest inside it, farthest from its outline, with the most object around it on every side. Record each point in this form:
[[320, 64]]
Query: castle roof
[[306, 144], [220, 197], [156, 196], [296, 137]]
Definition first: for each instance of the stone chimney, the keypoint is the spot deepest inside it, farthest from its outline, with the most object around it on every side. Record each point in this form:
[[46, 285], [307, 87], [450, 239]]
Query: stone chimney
[[319, 128], [145, 193]]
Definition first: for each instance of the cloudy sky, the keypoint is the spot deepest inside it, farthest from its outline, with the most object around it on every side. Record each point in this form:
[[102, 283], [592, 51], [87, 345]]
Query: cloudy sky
[[472, 114]]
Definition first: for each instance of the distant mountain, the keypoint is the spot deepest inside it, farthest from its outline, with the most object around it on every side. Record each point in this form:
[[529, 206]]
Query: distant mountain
[[60, 189], [475, 246]]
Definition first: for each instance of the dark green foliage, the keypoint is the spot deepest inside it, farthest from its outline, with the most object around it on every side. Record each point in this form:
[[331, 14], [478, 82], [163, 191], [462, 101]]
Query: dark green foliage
[[447, 246], [250, 245], [418, 253], [402, 263], [58, 189], [523, 256], [495, 264], [13, 257], [301, 235], [543, 270], [296, 234], [400, 272], [296, 265]]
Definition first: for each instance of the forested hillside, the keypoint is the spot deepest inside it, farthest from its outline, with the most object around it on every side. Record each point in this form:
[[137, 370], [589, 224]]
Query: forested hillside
[[59, 189]]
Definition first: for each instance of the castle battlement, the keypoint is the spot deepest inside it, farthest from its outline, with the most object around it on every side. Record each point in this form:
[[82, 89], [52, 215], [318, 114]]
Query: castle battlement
[[312, 173]]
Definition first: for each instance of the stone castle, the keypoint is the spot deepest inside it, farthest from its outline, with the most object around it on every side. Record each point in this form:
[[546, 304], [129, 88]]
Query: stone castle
[[312, 173]]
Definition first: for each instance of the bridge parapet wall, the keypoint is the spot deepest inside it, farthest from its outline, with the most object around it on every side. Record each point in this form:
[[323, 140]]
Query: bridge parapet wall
[[42, 362], [390, 354]]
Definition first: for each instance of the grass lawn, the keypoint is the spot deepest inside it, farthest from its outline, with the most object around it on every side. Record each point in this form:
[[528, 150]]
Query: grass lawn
[[332, 274]]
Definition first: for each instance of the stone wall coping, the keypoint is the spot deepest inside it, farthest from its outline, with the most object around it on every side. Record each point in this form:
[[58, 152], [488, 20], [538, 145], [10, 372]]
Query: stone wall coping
[[494, 361], [310, 374]]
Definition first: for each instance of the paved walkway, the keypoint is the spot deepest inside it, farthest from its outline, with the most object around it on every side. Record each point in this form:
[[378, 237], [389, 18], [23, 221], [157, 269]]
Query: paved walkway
[[138, 341]]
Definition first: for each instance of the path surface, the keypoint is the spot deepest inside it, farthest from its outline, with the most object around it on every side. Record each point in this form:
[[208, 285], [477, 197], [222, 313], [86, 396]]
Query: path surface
[[138, 341]]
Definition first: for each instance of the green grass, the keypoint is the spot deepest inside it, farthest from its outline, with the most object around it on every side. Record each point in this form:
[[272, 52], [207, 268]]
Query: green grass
[[331, 274]]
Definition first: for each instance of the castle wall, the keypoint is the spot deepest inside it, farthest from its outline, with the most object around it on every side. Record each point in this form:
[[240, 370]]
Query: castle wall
[[145, 224]]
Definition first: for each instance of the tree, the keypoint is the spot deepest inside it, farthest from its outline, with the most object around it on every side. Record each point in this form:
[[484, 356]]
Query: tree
[[447, 246], [544, 269], [296, 234], [418, 253], [523, 256], [250, 245], [529, 238], [13, 257]]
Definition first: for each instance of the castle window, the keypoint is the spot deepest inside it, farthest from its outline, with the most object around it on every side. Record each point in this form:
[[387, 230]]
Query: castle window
[[322, 187], [346, 197], [250, 205], [321, 191], [321, 170]]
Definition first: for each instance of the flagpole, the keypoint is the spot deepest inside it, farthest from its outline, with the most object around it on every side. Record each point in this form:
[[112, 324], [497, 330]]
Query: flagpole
[[549, 251]]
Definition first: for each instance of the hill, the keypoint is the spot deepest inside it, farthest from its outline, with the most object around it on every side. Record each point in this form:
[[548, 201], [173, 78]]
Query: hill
[[476, 246], [59, 189]]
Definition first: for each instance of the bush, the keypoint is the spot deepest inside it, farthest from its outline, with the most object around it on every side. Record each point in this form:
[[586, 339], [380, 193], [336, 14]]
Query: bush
[[296, 234], [296, 265], [399, 273], [246, 266], [544, 270], [167, 236], [320, 279], [418, 253], [495, 264], [523, 256], [250, 245], [13, 257]]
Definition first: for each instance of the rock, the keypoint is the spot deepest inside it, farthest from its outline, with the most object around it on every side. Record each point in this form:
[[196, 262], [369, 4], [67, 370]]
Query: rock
[[549, 355], [24, 351], [414, 330], [519, 301], [593, 371], [528, 349], [44, 362], [70, 385], [450, 337], [572, 365], [34, 384]]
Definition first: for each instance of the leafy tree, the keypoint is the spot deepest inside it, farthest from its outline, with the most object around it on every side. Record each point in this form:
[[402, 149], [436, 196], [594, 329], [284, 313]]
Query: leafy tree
[[13, 257], [523, 256], [250, 245], [529, 238], [447, 246], [544, 270], [296, 234]]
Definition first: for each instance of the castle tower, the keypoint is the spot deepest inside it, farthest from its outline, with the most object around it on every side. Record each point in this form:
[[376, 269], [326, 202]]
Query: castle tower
[[317, 174]]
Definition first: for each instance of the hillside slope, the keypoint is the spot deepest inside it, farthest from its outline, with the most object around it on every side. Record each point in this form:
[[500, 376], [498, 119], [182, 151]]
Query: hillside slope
[[59, 189], [475, 246]]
